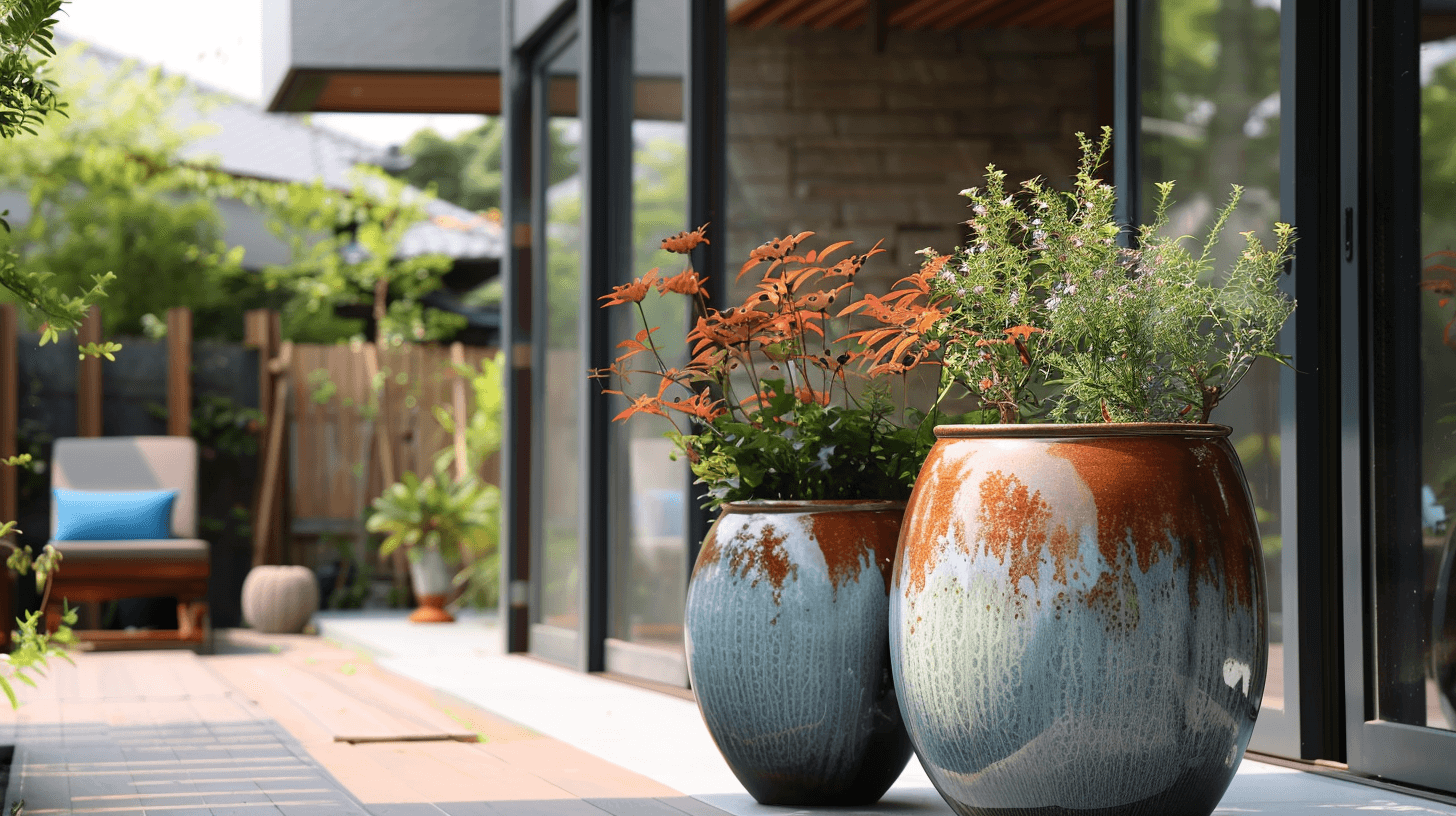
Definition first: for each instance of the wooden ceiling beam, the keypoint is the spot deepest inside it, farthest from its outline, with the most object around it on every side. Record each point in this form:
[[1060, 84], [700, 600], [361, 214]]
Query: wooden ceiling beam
[[1096, 15], [922, 13], [1051, 14], [1082, 10], [773, 12], [850, 16], [939, 15], [810, 13], [1031, 15], [971, 10], [986, 14], [743, 9]]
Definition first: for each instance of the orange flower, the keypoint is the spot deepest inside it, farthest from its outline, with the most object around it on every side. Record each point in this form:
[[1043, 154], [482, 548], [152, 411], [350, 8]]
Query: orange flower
[[632, 292], [646, 403], [1022, 332], [685, 242], [818, 301], [773, 251], [701, 406], [805, 394], [685, 282], [850, 266], [636, 346]]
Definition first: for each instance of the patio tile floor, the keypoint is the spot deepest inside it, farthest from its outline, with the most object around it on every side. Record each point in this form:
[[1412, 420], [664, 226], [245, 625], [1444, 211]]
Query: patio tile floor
[[175, 734], [662, 737]]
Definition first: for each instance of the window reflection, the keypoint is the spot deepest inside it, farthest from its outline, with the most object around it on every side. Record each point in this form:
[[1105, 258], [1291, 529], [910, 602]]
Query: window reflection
[[559, 487], [1436, 634], [1210, 79], [650, 497]]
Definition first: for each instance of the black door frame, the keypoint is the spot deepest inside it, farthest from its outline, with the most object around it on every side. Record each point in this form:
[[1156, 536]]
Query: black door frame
[[602, 29], [1381, 405]]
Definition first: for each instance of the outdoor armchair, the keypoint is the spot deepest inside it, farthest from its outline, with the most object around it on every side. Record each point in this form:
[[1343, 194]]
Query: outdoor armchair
[[124, 517]]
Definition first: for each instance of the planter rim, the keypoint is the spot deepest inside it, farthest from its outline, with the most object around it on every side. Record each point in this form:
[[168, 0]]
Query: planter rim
[[1057, 430], [809, 505]]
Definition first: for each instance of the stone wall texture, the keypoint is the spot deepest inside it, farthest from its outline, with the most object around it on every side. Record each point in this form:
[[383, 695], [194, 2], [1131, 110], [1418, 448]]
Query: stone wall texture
[[829, 134]]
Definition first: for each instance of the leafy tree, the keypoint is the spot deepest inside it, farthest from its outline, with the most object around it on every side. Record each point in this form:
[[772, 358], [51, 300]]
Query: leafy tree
[[27, 98], [109, 191], [466, 170], [98, 206], [26, 28], [343, 248]]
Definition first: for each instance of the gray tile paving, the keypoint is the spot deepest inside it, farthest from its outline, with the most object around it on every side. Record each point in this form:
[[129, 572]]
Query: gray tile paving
[[546, 807], [466, 808], [128, 754], [638, 807]]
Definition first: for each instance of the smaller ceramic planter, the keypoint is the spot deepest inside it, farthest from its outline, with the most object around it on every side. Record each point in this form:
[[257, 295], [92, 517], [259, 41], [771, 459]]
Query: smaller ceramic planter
[[430, 579], [787, 647]]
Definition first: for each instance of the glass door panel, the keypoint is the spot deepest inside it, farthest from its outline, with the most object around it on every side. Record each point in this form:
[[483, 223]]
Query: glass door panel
[[1210, 103], [649, 489], [560, 361], [1422, 663]]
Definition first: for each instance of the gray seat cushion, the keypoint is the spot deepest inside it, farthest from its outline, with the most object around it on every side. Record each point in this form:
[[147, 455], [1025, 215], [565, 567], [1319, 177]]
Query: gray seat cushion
[[165, 549]]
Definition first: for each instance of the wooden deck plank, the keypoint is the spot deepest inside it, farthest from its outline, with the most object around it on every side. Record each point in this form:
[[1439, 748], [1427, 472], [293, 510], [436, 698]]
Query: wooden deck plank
[[333, 707], [368, 685], [169, 731]]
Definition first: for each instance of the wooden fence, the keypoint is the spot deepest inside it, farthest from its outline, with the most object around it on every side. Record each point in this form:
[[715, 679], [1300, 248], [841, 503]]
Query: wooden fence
[[319, 471], [335, 467]]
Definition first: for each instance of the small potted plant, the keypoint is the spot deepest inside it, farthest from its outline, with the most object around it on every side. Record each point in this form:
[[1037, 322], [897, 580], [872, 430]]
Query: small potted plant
[[428, 516], [1078, 617], [809, 463]]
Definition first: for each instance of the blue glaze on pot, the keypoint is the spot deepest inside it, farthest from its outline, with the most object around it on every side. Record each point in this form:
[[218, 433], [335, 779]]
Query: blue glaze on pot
[[788, 650], [1077, 624]]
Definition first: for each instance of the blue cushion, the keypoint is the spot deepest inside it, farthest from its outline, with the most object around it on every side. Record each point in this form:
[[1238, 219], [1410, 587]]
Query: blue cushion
[[107, 515]]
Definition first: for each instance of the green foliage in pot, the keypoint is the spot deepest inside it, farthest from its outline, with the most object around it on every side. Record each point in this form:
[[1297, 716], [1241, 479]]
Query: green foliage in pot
[[479, 577], [437, 511], [1044, 314]]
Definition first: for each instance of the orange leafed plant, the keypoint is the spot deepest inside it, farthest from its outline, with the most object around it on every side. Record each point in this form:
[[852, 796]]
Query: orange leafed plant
[[779, 406]]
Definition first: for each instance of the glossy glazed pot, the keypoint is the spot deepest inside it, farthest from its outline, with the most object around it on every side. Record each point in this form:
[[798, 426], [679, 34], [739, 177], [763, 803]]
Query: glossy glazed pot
[[1077, 623], [787, 649], [430, 579]]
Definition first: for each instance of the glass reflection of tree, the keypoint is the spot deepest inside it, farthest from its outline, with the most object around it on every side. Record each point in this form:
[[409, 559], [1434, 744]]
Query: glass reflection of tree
[[1212, 88], [564, 380], [1211, 120], [651, 595], [1438, 234], [1438, 358]]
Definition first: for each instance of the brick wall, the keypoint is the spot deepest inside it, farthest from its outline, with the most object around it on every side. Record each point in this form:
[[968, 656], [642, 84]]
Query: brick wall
[[826, 134]]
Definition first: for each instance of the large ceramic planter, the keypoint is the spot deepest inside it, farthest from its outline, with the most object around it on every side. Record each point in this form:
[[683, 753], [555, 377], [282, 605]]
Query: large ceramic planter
[[1077, 623], [787, 649]]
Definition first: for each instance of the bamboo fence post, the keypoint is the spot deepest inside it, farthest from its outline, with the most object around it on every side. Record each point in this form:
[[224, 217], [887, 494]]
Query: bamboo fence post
[[179, 371], [272, 466], [262, 329], [88, 378]]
